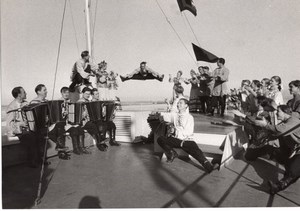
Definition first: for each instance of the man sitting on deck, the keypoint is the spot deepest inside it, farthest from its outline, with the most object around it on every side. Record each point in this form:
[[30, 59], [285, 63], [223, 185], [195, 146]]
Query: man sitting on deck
[[142, 73], [17, 126], [81, 71], [91, 127], [55, 131], [75, 131], [180, 136]]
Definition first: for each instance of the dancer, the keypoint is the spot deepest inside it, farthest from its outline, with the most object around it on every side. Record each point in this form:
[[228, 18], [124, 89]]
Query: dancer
[[112, 85], [177, 82], [101, 76], [194, 105], [143, 73]]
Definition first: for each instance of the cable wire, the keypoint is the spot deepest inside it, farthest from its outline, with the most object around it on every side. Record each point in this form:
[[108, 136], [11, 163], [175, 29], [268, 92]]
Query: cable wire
[[38, 198], [175, 32], [74, 27]]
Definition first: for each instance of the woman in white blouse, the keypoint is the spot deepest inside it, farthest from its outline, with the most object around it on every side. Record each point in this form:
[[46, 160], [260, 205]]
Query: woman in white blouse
[[275, 90]]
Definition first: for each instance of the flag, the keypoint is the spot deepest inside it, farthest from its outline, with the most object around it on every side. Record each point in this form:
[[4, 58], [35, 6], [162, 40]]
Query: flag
[[187, 5], [203, 55]]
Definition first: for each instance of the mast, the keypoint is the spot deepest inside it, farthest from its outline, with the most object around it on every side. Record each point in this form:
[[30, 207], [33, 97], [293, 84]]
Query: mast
[[88, 35], [88, 27]]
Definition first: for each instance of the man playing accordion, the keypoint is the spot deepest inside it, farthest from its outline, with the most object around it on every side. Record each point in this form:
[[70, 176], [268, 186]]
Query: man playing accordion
[[75, 130], [17, 126], [90, 126], [55, 132], [180, 136]]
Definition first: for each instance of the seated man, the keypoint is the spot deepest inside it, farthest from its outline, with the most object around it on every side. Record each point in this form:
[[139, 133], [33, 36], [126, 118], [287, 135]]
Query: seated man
[[76, 132], [81, 71], [288, 154], [94, 130], [17, 126], [95, 95], [55, 131], [142, 73], [180, 136], [105, 126]]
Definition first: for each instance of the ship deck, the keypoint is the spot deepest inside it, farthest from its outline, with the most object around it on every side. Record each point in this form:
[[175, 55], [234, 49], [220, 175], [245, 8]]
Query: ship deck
[[132, 176]]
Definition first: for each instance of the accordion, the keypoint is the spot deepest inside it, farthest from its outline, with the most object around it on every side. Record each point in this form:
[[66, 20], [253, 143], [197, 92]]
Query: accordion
[[36, 116], [96, 110], [110, 107], [56, 111], [75, 113], [101, 110]]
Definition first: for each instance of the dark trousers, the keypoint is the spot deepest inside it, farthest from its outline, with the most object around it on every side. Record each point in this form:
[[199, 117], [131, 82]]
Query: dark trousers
[[205, 103], [190, 147], [31, 142], [292, 165], [218, 101], [77, 80], [139, 76], [93, 129]]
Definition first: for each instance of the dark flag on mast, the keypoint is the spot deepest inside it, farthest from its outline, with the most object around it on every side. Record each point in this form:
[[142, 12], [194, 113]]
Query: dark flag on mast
[[203, 55], [187, 5]]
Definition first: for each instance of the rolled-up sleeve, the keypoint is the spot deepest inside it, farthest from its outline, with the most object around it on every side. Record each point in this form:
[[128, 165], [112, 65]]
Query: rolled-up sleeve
[[80, 69]]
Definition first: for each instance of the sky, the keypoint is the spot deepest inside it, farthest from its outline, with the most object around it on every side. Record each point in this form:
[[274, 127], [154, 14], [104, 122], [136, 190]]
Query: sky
[[257, 38]]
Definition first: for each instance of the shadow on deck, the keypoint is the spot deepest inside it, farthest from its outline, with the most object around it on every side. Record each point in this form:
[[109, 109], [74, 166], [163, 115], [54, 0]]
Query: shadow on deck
[[131, 176]]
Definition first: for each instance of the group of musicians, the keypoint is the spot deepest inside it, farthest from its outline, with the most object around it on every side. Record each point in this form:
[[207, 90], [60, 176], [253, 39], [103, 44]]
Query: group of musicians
[[35, 139]]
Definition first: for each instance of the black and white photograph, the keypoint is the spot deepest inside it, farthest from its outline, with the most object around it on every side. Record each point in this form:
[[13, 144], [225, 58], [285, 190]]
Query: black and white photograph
[[121, 104]]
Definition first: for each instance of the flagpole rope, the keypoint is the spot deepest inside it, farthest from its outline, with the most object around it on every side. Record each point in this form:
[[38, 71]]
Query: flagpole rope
[[191, 29], [195, 36], [38, 198], [175, 31]]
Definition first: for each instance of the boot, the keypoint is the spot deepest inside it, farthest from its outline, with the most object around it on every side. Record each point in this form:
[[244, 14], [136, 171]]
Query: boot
[[191, 148], [61, 144], [280, 185], [75, 143], [64, 155], [112, 140], [123, 78], [82, 147], [100, 145], [171, 155]]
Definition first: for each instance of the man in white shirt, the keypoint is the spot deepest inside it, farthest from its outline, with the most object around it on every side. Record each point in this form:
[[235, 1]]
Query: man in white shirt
[[81, 71], [17, 126], [181, 136]]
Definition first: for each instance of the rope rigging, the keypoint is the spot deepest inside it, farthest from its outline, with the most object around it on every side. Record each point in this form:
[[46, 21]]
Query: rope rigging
[[175, 31], [191, 28], [74, 27], [38, 198], [94, 24]]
